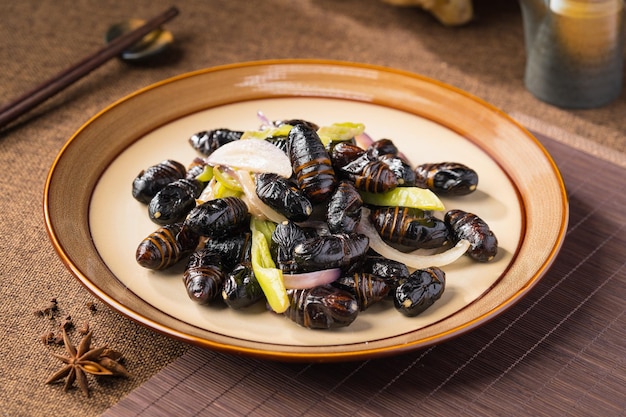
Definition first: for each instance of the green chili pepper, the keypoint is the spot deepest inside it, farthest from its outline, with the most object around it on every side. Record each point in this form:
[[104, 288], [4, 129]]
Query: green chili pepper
[[269, 277], [338, 132], [414, 197]]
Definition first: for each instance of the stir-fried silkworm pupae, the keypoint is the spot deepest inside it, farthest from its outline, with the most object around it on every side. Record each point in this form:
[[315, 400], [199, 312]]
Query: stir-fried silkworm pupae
[[232, 249], [386, 151], [368, 174], [464, 225], [311, 163], [284, 196], [166, 246], [411, 227], [203, 276], [419, 291], [172, 203], [366, 288], [241, 288], [332, 251], [326, 201], [218, 217], [446, 178], [322, 307], [154, 178], [207, 141], [389, 270], [285, 237], [344, 208]]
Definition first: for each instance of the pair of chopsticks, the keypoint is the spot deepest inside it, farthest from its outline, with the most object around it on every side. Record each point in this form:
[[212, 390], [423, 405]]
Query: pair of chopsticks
[[44, 91]]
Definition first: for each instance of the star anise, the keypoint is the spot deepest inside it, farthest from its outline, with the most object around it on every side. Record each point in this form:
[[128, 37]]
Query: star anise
[[81, 361]]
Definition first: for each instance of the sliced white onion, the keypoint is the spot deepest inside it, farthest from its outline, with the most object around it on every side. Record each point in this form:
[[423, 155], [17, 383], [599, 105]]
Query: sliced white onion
[[311, 279], [255, 205], [411, 259], [208, 192], [255, 155]]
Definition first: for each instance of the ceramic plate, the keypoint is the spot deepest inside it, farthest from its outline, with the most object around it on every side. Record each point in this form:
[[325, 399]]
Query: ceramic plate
[[96, 225]]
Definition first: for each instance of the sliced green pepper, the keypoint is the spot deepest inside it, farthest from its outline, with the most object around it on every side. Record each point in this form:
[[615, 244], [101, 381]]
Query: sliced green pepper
[[273, 132], [415, 197], [338, 132], [206, 174], [225, 179], [269, 277], [221, 191]]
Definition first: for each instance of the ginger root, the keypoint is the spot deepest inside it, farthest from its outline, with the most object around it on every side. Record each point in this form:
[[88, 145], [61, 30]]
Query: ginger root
[[448, 12]]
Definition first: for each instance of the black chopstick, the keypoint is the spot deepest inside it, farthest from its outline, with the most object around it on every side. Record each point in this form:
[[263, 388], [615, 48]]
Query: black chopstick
[[44, 91]]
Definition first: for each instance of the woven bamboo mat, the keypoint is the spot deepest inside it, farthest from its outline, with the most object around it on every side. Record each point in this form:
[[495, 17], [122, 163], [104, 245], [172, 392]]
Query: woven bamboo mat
[[559, 351]]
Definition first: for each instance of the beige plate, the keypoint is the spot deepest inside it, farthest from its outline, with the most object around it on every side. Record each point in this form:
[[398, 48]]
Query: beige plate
[[96, 225]]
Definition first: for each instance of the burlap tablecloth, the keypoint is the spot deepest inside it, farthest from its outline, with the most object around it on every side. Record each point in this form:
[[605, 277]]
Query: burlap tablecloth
[[39, 39]]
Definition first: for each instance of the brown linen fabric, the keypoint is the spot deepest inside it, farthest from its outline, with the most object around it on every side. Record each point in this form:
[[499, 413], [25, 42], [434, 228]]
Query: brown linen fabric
[[39, 39]]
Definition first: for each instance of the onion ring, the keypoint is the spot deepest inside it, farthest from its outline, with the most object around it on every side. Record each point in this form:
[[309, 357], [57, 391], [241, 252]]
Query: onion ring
[[411, 259], [254, 203], [311, 279]]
